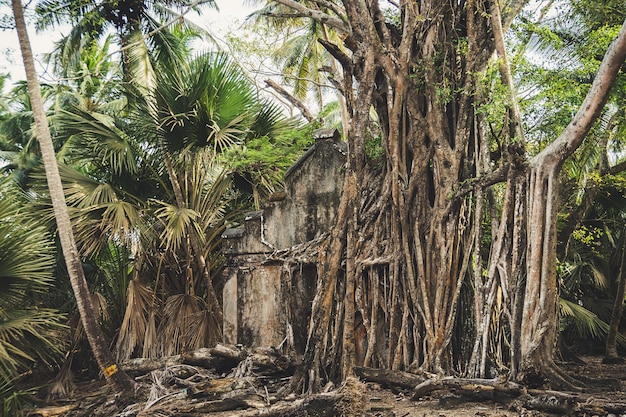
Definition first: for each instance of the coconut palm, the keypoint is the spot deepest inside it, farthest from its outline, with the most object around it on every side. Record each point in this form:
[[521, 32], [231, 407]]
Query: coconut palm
[[305, 64], [115, 376], [19, 149], [138, 26]]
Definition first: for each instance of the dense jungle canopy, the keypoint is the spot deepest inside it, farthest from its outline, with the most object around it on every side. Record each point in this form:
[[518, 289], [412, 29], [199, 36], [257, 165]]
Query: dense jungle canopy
[[481, 230]]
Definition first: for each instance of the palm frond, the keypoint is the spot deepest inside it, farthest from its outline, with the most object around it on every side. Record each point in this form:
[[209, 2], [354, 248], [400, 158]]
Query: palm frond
[[203, 331], [206, 103], [586, 323], [151, 345], [176, 223], [178, 315], [26, 338], [139, 65], [25, 249], [132, 333], [98, 132]]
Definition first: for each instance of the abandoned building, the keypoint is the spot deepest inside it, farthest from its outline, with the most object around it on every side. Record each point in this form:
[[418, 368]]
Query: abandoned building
[[267, 299]]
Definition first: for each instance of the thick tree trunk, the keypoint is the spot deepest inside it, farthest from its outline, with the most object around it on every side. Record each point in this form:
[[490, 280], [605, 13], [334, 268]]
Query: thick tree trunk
[[407, 243], [539, 325], [103, 355], [408, 236], [539, 318]]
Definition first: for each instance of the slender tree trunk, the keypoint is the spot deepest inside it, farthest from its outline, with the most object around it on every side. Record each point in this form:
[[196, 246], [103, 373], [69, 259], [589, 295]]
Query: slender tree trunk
[[611, 354], [115, 376], [204, 268]]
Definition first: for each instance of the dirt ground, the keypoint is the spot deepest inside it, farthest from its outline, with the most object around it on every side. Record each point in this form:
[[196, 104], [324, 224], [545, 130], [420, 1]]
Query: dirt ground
[[602, 382], [385, 403]]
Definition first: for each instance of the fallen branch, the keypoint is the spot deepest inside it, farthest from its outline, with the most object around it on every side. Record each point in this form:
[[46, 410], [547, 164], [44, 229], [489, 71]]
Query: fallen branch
[[388, 378], [547, 401], [222, 357], [347, 401], [470, 387], [52, 411]]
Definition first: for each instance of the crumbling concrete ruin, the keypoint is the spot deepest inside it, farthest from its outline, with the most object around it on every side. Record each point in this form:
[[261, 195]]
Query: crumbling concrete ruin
[[270, 278]]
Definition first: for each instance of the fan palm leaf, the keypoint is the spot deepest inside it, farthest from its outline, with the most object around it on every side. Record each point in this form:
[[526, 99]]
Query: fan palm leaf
[[206, 103], [177, 221], [132, 333], [179, 312], [28, 333], [99, 133], [587, 323]]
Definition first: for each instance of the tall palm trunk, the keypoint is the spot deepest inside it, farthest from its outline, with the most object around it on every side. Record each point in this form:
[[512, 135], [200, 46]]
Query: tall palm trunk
[[115, 376]]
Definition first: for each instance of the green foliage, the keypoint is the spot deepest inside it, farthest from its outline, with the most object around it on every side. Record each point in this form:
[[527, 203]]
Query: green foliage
[[493, 109], [211, 103], [30, 334], [259, 163], [588, 235], [565, 52], [586, 324], [597, 13], [588, 275]]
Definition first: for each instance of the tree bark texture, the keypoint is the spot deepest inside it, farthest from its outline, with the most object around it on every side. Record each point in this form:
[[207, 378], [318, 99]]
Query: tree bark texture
[[406, 243], [103, 355]]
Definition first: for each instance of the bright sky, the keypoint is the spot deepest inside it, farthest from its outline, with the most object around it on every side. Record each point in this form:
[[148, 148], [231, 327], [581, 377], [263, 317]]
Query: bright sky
[[231, 14]]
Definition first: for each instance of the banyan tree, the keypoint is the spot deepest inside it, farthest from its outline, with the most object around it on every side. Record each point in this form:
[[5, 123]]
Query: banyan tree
[[422, 262]]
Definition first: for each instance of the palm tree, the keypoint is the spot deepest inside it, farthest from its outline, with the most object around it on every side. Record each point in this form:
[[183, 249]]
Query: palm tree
[[147, 178], [305, 63], [205, 105], [142, 37], [103, 356]]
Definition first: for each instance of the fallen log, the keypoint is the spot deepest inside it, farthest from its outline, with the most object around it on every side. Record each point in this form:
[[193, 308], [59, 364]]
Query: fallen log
[[388, 378], [222, 358], [578, 404], [52, 411], [546, 401], [198, 408], [218, 387], [551, 402], [472, 387]]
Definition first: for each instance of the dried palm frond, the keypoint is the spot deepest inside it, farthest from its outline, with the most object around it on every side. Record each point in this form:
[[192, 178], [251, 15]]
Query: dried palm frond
[[178, 314], [203, 330], [133, 330], [101, 305], [150, 339], [63, 385]]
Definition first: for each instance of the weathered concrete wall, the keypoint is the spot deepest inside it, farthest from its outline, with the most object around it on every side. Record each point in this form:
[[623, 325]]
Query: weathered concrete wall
[[312, 187]]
